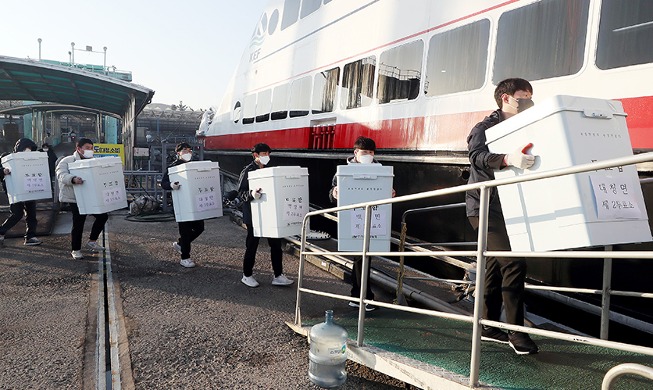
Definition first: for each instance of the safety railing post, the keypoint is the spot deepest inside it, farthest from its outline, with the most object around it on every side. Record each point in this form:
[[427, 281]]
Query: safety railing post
[[300, 272], [475, 363], [605, 296], [365, 267]]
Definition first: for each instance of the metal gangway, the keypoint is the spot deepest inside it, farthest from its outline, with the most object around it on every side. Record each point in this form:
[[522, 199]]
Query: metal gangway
[[480, 253]]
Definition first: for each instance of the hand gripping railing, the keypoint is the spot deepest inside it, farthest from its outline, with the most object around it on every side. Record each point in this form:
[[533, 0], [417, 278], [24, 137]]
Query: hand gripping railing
[[624, 369]]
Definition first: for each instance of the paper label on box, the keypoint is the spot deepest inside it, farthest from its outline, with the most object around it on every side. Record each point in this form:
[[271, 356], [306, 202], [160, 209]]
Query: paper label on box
[[113, 195], [206, 201], [35, 183], [614, 197], [379, 223], [294, 210]]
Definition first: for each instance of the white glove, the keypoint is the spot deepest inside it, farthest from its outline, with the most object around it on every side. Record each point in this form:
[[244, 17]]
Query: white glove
[[175, 185], [519, 159], [256, 194]]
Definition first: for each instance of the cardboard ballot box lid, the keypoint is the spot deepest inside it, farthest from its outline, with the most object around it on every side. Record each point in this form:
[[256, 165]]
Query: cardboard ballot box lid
[[289, 172], [24, 156], [589, 107], [194, 165], [365, 171], [95, 162]]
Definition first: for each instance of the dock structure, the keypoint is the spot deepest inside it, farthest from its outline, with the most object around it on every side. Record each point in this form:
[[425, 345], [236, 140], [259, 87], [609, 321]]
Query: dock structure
[[164, 326], [52, 87]]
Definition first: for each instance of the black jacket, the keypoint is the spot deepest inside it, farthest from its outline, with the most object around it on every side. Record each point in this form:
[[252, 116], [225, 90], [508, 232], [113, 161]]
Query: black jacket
[[483, 164], [165, 181], [243, 191]]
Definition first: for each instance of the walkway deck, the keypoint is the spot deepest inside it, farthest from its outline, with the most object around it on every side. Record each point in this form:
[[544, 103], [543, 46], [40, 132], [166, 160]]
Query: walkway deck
[[445, 345]]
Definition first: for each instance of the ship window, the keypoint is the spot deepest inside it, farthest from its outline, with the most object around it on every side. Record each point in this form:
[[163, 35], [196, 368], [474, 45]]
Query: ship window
[[450, 69], [400, 72], [263, 105], [309, 6], [249, 109], [300, 97], [625, 34], [280, 102], [541, 40], [358, 83], [324, 90], [290, 13]]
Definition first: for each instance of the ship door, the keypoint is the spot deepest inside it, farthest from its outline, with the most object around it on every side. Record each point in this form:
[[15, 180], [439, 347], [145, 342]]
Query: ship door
[[323, 133]]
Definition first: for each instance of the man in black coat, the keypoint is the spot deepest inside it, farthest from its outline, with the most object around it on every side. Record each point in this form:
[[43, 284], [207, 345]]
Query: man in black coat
[[505, 276]]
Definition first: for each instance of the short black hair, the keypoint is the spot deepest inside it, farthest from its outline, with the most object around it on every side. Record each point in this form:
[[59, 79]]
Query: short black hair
[[181, 146], [510, 86], [83, 141], [365, 143], [261, 147]]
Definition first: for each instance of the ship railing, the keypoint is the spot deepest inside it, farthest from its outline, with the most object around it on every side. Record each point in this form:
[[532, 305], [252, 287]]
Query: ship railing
[[481, 253], [625, 369], [466, 285]]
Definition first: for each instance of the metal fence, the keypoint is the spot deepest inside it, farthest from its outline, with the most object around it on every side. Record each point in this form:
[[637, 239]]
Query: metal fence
[[481, 253]]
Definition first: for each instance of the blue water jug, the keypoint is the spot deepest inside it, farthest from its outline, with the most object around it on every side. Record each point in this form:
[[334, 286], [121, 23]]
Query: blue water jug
[[328, 353]]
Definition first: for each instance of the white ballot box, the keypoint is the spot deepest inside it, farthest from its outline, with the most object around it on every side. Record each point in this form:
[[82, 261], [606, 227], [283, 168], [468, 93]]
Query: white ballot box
[[103, 189], [200, 194], [29, 178], [284, 202], [358, 183], [587, 209]]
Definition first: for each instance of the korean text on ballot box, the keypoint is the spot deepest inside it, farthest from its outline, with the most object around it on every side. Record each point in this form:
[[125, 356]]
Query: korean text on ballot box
[[358, 183], [200, 194], [586, 209], [103, 189], [284, 201], [29, 178]]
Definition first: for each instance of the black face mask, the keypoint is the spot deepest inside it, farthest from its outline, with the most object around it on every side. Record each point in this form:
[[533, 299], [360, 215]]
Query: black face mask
[[524, 104]]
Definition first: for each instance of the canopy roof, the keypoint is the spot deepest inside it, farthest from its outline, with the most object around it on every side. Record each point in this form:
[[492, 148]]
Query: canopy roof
[[25, 79]]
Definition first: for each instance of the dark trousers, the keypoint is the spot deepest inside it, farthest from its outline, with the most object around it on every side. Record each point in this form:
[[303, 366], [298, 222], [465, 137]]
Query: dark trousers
[[251, 245], [78, 227], [504, 276], [188, 232], [357, 273], [17, 211]]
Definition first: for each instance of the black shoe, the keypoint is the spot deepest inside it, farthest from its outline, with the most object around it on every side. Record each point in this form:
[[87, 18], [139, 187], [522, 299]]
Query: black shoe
[[493, 334], [522, 343]]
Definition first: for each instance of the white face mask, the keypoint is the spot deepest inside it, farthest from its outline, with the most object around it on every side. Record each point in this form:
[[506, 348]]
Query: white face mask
[[365, 159], [88, 153], [187, 156], [264, 159], [27, 150], [45, 149]]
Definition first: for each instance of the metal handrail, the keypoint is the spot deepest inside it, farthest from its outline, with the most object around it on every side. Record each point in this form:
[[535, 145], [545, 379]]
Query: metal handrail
[[624, 369], [481, 253]]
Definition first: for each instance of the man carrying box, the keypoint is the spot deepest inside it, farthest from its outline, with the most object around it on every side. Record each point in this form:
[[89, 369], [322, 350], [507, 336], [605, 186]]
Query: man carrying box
[[19, 208], [261, 155], [364, 149], [188, 230], [84, 150], [504, 276]]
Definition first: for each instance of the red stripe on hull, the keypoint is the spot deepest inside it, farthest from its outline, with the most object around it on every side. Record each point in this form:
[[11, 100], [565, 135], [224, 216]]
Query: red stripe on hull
[[639, 121], [437, 133]]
